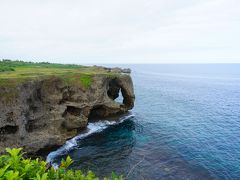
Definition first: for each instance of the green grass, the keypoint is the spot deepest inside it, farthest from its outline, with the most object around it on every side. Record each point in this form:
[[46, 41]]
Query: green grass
[[6, 64], [86, 80], [13, 166], [13, 73]]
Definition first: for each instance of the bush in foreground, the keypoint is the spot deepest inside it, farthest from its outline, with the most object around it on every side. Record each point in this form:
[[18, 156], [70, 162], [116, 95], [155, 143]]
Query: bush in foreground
[[13, 166]]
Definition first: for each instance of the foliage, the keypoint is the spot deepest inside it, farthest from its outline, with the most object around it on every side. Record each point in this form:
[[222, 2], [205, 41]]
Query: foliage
[[14, 73], [13, 166], [86, 80], [6, 68], [8, 65]]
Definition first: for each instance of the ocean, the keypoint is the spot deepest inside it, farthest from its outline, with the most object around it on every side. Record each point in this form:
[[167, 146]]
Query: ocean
[[185, 125]]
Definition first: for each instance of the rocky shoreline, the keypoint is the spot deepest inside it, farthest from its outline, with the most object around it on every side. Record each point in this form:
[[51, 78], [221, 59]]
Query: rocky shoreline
[[47, 112]]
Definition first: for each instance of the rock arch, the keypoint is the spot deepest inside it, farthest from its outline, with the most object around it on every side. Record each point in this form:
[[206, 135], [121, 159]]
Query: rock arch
[[116, 87]]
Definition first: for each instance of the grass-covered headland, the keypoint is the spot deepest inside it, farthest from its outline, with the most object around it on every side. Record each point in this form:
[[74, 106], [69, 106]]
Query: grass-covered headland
[[13, 73], [13, 166]]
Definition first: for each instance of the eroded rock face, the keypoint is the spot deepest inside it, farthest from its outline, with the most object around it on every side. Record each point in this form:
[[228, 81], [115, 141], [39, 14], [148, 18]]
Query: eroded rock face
[[43, 114]]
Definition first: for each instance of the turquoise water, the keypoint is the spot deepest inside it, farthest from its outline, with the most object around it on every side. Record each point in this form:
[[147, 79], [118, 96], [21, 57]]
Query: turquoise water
[[185, 125]]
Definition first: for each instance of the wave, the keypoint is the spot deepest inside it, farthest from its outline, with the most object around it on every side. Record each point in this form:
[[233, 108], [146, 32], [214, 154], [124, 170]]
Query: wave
[[92, 128]]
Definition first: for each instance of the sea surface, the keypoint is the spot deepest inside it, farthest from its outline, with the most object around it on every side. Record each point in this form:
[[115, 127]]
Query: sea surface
[[185, 125]]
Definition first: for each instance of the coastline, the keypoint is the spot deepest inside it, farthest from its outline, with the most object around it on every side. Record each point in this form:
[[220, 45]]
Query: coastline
[[43, 105]]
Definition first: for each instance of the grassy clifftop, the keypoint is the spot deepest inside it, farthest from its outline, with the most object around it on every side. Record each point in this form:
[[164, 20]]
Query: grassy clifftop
[[13, 73], [8, 65]]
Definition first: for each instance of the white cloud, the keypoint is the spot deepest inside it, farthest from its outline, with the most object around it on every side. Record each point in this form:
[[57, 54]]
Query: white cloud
[[111, 31]]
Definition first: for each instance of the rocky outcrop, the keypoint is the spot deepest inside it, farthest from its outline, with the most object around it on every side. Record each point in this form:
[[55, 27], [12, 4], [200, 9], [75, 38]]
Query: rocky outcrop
[[39, 115]]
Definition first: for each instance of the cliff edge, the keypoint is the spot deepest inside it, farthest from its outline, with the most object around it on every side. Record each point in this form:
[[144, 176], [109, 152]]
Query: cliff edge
[[42, 112]]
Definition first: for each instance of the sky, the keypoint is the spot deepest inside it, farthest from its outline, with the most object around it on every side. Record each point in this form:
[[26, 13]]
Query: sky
[[120, 31]]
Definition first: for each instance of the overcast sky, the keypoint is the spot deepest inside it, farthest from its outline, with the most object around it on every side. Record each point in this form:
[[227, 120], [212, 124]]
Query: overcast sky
[[120, 31]]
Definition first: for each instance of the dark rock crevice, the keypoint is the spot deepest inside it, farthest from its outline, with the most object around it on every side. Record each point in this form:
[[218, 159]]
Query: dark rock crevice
[[9, 129], [97, 112], [113, 90], [75, 117], [74, 111]]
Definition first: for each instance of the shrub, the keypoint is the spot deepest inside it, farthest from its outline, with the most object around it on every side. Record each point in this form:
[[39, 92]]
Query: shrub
[[6, 68], [86, 80], [13, 166]]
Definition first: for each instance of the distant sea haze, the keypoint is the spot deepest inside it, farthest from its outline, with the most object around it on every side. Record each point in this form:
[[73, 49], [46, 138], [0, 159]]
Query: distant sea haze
[[185, 125]]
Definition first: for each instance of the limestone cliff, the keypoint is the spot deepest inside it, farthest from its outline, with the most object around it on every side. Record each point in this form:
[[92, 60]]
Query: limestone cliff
[[44, 113]]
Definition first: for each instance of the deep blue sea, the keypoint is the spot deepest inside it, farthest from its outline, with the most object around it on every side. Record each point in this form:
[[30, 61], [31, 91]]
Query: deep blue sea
[[185, 125]]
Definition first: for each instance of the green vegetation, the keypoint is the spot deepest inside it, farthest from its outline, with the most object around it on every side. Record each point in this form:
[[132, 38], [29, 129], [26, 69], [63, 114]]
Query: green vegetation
[[6, 68], [13, 73], [13, 166], [86, 80], [8, 65]]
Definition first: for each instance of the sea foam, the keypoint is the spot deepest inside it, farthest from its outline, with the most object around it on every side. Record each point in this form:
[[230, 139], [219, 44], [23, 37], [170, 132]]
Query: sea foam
[[92, 127]]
